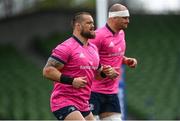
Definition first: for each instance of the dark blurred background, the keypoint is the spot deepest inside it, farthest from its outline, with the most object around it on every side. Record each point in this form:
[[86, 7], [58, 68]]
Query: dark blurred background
[[30, 29]]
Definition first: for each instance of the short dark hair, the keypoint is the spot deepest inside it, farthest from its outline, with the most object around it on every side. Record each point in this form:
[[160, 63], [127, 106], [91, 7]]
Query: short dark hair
[[78, 17]]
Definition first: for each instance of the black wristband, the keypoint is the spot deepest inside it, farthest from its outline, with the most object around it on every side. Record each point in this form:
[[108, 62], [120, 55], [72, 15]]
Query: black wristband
[[66, 79], [103, 75]]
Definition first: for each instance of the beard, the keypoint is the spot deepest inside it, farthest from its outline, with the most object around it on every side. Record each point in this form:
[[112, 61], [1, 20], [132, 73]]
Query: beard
[[88, 35]]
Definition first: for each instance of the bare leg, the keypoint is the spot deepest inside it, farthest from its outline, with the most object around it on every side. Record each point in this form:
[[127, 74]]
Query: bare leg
[[111, 116], [90, 117], [75, 115]]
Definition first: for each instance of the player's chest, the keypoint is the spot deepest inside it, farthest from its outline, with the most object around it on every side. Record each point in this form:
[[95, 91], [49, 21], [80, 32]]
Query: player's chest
[[85, 56], [114, 45]]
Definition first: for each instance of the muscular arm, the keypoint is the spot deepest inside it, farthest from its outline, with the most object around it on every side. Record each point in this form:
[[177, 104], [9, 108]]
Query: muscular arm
[[51, 69]]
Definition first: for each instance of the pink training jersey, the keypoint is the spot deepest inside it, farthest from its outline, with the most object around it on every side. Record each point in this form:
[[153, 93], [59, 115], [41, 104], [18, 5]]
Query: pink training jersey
[[79, 61], [111, 47]]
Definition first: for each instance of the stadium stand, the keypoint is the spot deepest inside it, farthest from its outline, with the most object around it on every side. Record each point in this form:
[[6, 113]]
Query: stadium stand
[[44, 46], [24, 92], [152, 88]]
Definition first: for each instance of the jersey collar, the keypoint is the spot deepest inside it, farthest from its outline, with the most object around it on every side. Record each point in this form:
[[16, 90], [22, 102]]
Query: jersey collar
[[108, 27], [77, 40]]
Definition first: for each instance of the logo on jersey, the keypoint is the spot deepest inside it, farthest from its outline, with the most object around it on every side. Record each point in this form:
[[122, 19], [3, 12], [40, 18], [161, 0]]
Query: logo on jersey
[[81, 55], [91, 63], [60, 117], [111, 44], [71, 109]]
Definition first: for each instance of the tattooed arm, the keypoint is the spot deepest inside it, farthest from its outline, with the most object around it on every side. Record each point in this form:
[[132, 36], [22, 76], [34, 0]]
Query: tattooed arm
[[51, 69]]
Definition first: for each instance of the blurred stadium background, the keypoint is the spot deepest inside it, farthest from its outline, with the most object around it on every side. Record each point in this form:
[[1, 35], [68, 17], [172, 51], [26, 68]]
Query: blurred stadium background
[[29, 29]]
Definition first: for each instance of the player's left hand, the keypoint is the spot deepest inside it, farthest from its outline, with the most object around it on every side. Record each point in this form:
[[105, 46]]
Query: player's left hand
[[110, 72]]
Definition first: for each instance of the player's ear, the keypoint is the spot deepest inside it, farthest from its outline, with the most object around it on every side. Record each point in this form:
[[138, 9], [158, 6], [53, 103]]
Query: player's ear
[[78, 26]]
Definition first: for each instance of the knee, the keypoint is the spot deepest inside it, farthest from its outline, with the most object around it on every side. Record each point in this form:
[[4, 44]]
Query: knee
[[114, 117]]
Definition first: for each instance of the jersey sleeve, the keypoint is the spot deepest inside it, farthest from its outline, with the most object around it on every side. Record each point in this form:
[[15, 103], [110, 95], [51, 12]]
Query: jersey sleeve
[[61, 53]]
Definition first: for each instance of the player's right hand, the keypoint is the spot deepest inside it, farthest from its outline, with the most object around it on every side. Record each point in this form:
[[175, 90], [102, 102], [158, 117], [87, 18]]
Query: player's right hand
[[79, 82]]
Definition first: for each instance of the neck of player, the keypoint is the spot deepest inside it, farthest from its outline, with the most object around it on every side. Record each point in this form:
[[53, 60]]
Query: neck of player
[[81, 38]]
